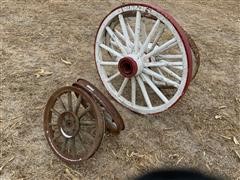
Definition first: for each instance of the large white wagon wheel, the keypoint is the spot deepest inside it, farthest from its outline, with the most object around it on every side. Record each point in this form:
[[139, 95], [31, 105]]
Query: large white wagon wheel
[[146, 63]]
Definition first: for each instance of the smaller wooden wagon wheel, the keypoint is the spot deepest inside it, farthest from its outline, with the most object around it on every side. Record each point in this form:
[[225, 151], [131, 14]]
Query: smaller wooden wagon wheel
[[114, 122], [73, 124]]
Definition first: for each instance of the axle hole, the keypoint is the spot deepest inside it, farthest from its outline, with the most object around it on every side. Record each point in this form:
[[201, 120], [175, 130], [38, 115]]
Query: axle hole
[[127, 68]]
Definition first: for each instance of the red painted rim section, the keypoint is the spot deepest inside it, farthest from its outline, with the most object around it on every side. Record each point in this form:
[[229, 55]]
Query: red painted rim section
[[178, 28]]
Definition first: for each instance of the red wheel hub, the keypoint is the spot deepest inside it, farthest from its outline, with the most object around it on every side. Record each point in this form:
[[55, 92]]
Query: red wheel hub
[[127, 67]]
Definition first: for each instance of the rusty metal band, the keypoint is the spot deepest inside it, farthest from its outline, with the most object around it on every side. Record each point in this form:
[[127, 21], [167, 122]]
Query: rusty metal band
[[108, 106]]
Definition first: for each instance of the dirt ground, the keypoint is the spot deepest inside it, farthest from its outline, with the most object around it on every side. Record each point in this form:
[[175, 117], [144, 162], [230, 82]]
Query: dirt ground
[[202, 131]]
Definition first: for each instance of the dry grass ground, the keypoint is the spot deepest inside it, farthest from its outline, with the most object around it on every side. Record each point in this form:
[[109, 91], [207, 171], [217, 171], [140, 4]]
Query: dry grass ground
[[198, 132]]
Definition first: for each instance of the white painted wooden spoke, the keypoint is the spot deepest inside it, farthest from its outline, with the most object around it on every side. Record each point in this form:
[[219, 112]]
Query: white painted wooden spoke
[[160, 77], [116, 45], [162, 48], [116, 40], [144, 31], [159, 33], [169, 56], [113, 76], [124, 40], [145, 47], [130, 30], [113, 43], [133, 93], [124, 29], [108, 63], [144, 92], [137, 31], [178, 67], [171, 73], [149, 37], [112, 51], [162, 63], [125, 81], [155, 88], [120, 35]]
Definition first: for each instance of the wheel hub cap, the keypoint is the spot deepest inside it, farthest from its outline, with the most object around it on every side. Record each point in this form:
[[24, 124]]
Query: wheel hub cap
[[68, 124], [128, 67]]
